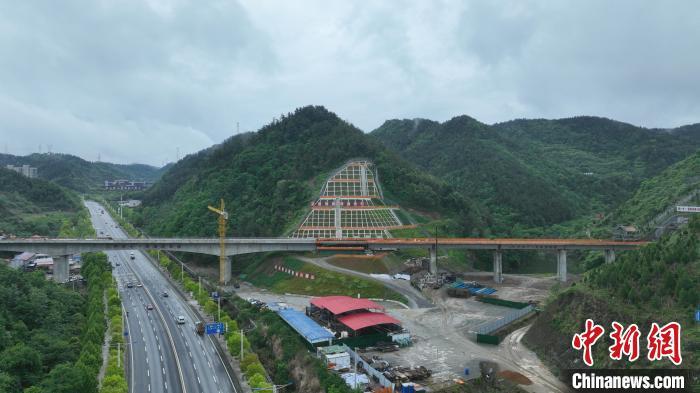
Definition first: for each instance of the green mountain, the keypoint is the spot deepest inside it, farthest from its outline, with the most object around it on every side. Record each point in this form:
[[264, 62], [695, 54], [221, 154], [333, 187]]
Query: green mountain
[[658, 283], [535, 173], [78, 174], [34, 206], [268, 178], [660, 192]]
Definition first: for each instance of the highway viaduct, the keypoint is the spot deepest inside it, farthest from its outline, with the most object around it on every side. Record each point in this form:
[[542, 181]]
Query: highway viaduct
[[61, 249]]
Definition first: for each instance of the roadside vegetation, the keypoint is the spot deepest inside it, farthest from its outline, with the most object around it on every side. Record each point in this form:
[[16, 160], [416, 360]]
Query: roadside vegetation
[[114, 379]]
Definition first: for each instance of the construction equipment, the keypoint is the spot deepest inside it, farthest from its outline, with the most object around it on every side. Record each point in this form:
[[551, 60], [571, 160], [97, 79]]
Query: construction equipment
[[223, 217]]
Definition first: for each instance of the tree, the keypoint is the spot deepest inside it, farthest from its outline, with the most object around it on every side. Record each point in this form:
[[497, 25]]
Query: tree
[[8, 383], [23, 362], [67, 378]]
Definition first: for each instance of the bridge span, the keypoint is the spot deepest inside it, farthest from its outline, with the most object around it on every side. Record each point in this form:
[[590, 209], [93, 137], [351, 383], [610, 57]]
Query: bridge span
[[61, 248]]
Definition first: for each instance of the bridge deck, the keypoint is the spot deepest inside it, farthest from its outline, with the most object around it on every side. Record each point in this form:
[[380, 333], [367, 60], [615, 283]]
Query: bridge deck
[[488, 241]]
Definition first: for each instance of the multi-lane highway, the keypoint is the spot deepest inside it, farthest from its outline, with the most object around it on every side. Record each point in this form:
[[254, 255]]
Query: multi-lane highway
[[165, 356]]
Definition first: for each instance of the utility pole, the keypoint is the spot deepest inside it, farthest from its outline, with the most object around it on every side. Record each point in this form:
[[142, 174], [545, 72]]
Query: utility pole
[[218, 318], [119, 354], [241, 344]]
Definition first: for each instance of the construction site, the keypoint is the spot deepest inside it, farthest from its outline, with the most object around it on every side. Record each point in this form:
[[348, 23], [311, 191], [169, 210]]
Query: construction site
[[452, 327]]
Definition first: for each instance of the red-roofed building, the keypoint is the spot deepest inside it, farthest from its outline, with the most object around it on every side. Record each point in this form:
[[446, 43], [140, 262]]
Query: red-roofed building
[[341, 304], [352, 317], [364, 320]]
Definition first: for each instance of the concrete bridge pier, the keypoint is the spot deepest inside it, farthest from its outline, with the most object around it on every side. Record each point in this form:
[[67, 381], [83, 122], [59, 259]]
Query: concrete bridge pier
[[561, 265], [433, 261], [61, 269], [609, 256], [498, 266]]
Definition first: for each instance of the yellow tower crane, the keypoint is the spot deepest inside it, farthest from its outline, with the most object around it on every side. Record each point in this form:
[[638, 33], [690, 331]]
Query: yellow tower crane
[[223, 217]]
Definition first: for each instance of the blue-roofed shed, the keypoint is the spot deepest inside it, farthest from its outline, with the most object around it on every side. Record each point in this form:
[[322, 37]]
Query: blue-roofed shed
[[305, 326]]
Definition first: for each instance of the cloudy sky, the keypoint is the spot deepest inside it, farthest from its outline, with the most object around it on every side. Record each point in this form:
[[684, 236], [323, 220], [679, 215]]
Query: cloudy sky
[[135, 80]]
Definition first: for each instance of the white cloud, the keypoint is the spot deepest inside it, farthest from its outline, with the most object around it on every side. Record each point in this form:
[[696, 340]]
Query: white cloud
[[135, 80]]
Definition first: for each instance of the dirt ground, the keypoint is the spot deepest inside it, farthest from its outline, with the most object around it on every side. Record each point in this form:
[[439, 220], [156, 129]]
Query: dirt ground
[[519, 288], [441, 334]]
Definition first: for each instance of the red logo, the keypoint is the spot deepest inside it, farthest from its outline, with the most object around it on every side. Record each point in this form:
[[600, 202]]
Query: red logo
[[626, 341], [665, 342], [586, 340], [662, 342]]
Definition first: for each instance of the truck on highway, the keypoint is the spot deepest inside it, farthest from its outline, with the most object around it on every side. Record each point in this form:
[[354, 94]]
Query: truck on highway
[[199, 327]]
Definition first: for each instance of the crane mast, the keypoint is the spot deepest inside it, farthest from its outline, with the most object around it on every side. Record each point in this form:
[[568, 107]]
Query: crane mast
[[223, 217]]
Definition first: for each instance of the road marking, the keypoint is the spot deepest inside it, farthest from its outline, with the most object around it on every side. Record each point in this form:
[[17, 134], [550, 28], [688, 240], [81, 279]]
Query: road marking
[[163, 370], [190, 353], [198, 381], [149, 387], [148, 372], [161, 358]]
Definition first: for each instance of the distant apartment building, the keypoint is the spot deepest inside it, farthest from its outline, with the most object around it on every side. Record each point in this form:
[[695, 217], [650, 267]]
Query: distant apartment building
[[126, 185], [25, 170]]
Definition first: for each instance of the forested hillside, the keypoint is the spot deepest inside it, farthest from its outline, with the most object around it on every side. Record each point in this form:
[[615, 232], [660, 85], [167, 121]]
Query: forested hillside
[[35, 206], [40, 328], [658, 283], [80, 175], [659, 192], [267, 179], [535, 173]]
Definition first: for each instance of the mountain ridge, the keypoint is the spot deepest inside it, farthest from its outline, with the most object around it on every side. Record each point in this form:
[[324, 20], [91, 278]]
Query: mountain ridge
[[540, 172], [79, 174]]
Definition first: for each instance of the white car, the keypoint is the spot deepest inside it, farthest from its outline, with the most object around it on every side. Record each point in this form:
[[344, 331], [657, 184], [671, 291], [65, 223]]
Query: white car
[[180, 320]]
